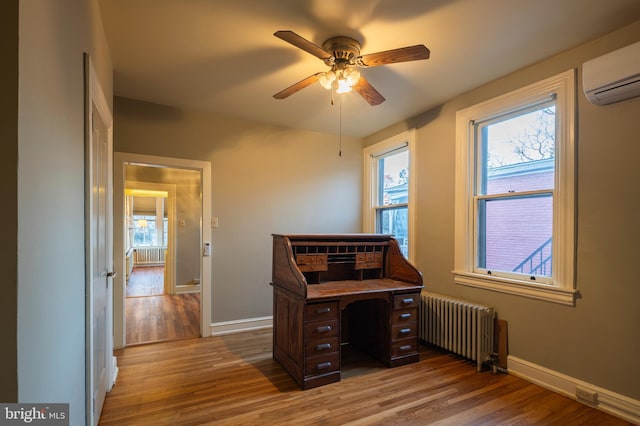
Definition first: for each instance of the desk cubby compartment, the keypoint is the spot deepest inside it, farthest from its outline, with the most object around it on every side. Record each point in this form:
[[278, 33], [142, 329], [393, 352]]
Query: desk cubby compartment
[[339, 261]]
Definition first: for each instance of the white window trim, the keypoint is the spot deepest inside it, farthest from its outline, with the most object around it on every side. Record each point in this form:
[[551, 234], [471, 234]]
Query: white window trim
[[406, 138], [562, 288]]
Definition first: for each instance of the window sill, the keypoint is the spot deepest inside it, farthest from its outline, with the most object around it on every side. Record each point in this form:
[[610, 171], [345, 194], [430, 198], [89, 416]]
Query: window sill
[[548, 293]]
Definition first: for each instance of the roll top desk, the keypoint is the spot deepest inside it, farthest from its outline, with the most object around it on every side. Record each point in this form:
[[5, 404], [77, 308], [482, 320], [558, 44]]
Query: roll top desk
[[332, 290]]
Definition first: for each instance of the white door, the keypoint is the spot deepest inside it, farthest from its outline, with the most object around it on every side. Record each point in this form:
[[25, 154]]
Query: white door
[[100, 368], [99, 254]]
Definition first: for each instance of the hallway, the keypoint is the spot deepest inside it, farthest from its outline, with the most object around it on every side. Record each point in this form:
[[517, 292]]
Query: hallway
[[152, 316]]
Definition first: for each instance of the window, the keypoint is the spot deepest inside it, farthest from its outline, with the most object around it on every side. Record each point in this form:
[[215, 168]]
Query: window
[[515, 207], [388, 182], [145, 232]]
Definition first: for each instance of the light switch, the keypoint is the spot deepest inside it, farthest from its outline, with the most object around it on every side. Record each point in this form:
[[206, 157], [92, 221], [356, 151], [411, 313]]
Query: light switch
[[182, 223], [214, 222]]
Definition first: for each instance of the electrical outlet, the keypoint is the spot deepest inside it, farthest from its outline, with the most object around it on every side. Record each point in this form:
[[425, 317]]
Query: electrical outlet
[[586, 395]]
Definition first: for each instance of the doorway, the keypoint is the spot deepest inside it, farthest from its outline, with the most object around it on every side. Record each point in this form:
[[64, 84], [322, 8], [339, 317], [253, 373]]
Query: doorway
[[166, 280], [158, 256]]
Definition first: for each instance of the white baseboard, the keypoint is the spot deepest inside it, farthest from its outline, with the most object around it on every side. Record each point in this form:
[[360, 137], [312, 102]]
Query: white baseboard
[[188, 288], [237, 326], [610, 402]]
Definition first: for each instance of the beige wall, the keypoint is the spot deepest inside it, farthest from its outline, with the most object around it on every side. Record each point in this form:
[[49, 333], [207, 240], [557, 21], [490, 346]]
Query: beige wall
[[598, 340], [53, 35], [9, 188], [265, 180]]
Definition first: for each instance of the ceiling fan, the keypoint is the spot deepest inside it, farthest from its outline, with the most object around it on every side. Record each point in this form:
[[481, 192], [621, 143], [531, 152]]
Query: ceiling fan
[[342, 54]]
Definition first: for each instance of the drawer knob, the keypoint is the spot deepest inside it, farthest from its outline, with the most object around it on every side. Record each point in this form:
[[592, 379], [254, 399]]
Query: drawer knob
[[323, 346], [405, 331], [407, 300], [323, 329], [405, 347], [323, 310], [323, 365], [405, 316]]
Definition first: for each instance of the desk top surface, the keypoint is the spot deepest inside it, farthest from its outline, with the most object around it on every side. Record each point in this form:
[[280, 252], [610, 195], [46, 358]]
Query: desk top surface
[[330, 289]]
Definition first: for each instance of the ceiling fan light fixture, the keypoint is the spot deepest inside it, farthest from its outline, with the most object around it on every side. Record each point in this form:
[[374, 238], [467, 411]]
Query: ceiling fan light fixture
[[343, 86], [342, 80], [326, 79], [351, 75]]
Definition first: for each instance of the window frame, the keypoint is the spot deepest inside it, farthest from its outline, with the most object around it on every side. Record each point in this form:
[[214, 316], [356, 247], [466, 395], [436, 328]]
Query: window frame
[[561, 287], [371, 154]]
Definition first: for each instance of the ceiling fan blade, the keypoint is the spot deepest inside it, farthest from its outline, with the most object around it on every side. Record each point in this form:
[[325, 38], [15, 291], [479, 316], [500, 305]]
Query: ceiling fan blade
[[297, 86], [403, 54], [302, 43], [368, 92]]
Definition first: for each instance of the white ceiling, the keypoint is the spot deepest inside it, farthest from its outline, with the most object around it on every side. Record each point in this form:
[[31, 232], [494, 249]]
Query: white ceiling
[[221, 55]]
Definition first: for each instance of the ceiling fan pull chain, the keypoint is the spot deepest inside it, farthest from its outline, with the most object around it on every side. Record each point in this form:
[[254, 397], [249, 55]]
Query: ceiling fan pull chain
[[340, 138]]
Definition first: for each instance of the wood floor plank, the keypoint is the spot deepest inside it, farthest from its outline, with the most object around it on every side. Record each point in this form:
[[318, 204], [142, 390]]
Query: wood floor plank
[[162, 318], [146, 281], [152, 316], [233, 380]]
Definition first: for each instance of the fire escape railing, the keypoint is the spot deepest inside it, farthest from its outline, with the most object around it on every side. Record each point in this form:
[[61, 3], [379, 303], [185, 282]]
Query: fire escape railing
[[538, 262]]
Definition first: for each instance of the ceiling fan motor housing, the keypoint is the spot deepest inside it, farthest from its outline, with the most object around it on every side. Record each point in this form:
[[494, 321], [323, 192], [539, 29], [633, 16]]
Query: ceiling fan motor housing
[[344, 51]]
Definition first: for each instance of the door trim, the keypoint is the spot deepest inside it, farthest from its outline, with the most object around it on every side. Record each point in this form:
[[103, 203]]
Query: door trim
[[120, 160]]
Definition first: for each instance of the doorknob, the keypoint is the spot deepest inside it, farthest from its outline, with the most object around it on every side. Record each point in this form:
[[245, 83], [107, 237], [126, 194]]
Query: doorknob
[[112, 274]]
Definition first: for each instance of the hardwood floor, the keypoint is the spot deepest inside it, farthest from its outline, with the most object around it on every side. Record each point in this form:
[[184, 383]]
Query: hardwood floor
[[162, 317], [233, 380], [146, 281]]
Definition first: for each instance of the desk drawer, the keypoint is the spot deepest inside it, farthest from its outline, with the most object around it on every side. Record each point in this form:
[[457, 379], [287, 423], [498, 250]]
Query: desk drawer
[[403, 331], [405, 301], [404, 347], [368, 260], [404, 316], [318, 330], [312, 262], [322, 364], [322, 346], [321, 311]]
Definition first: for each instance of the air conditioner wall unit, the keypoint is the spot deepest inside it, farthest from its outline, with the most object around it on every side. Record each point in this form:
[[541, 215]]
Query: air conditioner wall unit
[[613, 77]]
